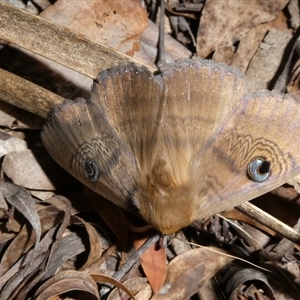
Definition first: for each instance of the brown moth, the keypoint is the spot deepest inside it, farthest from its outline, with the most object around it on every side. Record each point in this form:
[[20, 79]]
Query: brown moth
[[179, 146]]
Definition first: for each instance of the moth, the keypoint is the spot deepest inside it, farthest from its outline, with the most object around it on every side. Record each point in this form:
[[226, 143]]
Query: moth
[[178, 146]]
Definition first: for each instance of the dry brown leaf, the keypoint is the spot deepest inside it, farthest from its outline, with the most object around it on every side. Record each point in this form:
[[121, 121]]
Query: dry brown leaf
[[225, 22], [95, 244], [106, 279], [8, 143], [34, 262], [27, 271], [64, 205], [15, 269], [294, 11], [122, 27], [3, 207], [248, 46], [187, 272], [49, 217], [61, 251], [267, 59], [26, 168], [5, 237], [19, 198], [224, 54], [138, 286], [293, 85], [241, 282], [19, 247], [67, 249], [67, 281], [153, 260], [210, 291], [112, 215], [104, 21], [179, 243]]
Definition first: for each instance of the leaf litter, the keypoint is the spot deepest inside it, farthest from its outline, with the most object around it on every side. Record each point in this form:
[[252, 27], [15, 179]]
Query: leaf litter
[[58, 247]]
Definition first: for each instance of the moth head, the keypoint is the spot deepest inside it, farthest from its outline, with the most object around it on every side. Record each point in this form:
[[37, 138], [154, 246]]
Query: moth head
[[165, 212], [164, 200]]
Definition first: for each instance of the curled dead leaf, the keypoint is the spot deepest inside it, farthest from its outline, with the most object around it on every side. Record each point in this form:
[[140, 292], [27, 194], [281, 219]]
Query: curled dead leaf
[[67, 281]]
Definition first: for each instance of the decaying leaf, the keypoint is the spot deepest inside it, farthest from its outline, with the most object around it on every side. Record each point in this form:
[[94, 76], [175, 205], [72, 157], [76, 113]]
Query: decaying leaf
[[225, 22], [187, 272], [67, 281], [103, 17], [27, 168], [153, 260], [123, 287], [112, 215], [20, 199], [137, 286], [247, 283], [9, 143], [267, 59]]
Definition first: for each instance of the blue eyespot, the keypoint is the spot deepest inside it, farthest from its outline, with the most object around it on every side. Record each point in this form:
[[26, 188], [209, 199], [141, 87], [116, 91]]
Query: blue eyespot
[[259, 169], [91, 170]]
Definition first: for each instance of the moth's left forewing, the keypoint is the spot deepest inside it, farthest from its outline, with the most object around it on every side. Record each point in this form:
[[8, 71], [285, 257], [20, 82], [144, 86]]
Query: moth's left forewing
[[265, 125], [79, 138]]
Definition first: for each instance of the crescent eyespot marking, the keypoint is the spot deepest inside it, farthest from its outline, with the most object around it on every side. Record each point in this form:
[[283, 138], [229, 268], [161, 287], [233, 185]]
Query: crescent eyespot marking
[[91, 170], [101, 153], [240, 149], [259, 169]]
